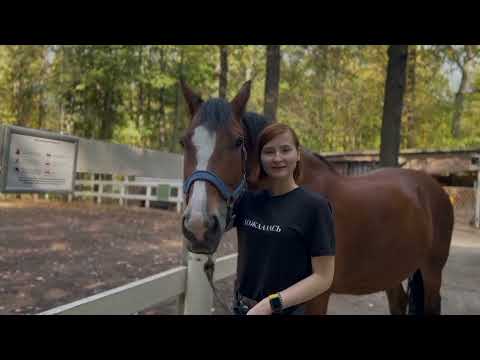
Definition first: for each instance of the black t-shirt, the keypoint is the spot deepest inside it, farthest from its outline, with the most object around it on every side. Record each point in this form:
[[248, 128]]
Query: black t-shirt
[[278, 236]]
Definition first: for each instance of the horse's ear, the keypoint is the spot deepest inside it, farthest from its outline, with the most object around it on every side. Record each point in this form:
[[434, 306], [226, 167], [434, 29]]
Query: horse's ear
[[239, 103], [193, 100]]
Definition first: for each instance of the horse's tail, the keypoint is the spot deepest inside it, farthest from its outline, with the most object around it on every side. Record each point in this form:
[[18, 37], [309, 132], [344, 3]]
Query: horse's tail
[[416, 297]]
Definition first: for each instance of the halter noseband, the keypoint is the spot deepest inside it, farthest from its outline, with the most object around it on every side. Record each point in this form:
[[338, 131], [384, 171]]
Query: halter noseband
[[230, 196]]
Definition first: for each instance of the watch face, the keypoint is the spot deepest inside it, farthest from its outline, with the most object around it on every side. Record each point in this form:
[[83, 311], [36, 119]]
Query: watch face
[[276, 304]]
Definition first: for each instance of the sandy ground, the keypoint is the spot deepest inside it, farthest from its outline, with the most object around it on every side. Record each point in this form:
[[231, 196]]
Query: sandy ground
[[54, 253]]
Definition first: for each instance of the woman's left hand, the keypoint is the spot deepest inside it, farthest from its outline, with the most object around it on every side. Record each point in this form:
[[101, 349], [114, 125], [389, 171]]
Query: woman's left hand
[[262, 308]]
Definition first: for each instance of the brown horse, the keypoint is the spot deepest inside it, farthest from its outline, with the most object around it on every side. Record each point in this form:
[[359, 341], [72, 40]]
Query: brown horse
[[391, 224]]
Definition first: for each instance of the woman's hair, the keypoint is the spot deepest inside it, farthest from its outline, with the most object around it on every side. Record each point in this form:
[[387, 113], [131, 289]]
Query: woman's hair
[[266, 135]]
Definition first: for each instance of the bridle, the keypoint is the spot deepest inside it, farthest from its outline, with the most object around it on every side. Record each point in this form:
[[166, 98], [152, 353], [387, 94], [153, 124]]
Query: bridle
[[231, 197]]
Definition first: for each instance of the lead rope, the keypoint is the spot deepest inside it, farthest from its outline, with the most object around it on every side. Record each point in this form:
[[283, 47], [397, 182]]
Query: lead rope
[[209, 269]]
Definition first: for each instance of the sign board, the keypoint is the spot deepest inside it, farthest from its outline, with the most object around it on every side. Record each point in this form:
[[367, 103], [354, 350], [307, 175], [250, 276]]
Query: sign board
[[36, 161]]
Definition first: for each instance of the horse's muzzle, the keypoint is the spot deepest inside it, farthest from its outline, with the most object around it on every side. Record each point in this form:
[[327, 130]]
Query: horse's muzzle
[[204, 237]]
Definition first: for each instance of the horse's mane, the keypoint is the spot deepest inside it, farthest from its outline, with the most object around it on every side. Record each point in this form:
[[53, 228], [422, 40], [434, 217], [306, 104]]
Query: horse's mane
[[255, 123], [326, 162]]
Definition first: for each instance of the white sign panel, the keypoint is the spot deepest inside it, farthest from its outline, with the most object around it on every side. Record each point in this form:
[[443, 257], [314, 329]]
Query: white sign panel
[[40, 164]]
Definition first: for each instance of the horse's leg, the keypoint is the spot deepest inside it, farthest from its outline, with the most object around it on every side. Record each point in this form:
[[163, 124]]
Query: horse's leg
[[397, 300], [432, 281], [318, 305]]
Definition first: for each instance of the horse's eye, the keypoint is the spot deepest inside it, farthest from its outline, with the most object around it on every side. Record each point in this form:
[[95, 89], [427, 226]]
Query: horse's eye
[[239, 142]]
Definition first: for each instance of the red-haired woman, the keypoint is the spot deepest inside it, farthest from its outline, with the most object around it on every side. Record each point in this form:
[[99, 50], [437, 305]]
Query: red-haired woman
[[285, 233]]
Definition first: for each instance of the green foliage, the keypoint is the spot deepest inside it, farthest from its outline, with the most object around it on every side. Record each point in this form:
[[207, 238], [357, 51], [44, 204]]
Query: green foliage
[[332, 94]]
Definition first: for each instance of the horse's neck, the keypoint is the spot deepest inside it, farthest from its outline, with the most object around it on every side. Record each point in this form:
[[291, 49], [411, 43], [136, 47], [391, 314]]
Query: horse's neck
[[315, 165]]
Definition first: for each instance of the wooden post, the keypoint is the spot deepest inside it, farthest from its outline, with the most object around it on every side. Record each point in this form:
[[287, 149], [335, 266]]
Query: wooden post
[[147, 200], [100, 192], [92, 185], [180, 201], [198, 293], [122, 190], [181, 298]]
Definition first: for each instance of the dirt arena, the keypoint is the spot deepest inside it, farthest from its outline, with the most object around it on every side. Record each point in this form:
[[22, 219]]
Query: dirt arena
[[53, 253]]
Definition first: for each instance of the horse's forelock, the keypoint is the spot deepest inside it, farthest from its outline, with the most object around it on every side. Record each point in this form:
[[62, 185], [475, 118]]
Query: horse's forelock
[[215, 113]]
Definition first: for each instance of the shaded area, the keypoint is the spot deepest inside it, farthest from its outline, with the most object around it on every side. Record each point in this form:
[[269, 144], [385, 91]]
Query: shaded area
[[55, 253]]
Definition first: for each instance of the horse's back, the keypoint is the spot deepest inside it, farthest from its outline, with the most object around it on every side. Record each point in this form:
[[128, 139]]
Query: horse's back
[[429, 194], [390, 218]]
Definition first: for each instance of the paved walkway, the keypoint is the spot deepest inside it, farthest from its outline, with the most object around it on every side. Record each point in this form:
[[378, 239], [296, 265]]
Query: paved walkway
[[460, 290]]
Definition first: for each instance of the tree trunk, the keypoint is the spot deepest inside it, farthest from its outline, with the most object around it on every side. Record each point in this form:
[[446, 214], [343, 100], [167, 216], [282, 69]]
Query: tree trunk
[[42, 111], [161, 119], [141, 97], [107, 117], [411, 96], [321, 57], [458, 105], [393, 104], [178, 96], [272, 81], [223, 82]]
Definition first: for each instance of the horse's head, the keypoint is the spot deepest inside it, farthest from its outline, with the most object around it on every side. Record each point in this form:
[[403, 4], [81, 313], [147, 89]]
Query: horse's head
[[214, 167]]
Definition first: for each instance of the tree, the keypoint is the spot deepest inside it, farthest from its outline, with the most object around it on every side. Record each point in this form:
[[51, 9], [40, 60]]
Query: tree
[[463, 56], [411, 96], [272, 81], [393, 104], [223, 81], [24, 83], [332, 95]]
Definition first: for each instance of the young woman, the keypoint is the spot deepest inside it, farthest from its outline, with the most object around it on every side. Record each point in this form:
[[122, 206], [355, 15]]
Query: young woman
[[285, 233]]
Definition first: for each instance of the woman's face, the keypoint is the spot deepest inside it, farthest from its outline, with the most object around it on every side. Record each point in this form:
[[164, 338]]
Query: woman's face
[[279, 157]]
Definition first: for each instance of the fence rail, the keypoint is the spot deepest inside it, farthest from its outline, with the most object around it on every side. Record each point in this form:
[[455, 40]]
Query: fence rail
[[142, 294], [166, 190]]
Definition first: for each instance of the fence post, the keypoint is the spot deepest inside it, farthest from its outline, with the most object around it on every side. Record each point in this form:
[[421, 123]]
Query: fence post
[[184, 262], [92, 186], [198, 293], [122, 190], [147, 200], [100, 191], [179, 199]]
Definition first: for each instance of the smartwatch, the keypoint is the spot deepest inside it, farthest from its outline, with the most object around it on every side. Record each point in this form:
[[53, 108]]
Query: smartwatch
[[276, 303]]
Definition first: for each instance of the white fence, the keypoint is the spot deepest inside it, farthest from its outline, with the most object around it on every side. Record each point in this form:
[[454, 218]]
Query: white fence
[[167, 190], [188, 283]]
